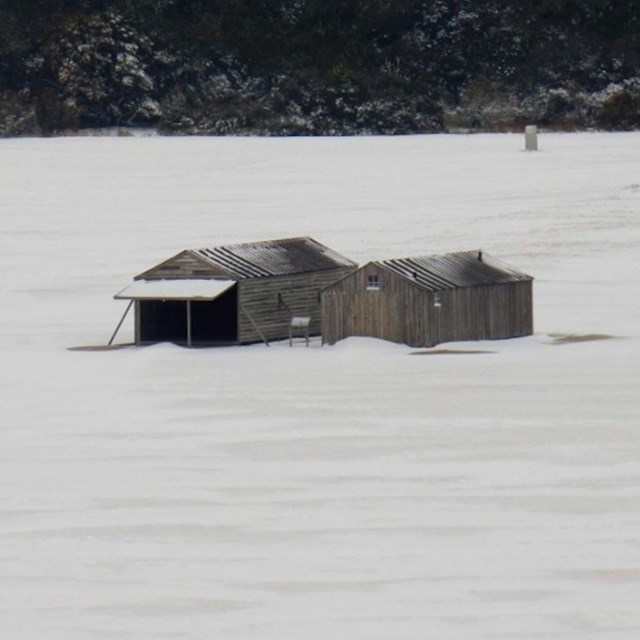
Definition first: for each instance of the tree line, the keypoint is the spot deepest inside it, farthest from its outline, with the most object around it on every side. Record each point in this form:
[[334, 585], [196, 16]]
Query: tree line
[[318, 67]]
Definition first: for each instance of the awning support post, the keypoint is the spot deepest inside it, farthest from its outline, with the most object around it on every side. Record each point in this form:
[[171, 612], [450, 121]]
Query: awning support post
[[188, 323], [124, 315]]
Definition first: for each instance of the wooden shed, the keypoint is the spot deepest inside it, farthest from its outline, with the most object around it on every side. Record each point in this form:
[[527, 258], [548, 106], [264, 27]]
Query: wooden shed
[[234, 294], [427, 300]]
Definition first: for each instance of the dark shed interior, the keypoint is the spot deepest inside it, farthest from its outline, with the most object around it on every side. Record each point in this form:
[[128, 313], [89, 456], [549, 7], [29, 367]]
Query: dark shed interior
[[212, 321], [163, 321]]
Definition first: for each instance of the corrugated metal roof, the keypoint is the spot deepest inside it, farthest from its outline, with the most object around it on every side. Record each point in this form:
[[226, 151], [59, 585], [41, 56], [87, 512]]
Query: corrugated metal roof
[[455, 270], [273, 258]]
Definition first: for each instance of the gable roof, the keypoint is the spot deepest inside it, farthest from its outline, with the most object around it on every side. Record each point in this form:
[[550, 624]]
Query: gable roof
[[256, 259], [454, 270]]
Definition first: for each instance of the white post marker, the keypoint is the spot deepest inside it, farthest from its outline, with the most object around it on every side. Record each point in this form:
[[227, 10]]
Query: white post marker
[[531, 137]]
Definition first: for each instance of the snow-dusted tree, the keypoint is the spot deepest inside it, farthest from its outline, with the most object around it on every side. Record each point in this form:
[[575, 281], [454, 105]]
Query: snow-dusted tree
[[98, 70], [433, 51], [211, 95]]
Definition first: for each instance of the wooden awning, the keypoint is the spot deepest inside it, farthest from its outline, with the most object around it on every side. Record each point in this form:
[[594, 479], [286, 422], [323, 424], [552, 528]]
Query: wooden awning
[[195, 289]]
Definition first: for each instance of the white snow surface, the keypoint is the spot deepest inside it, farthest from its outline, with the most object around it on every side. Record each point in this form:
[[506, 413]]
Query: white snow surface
[[363, 491], [174, 289]]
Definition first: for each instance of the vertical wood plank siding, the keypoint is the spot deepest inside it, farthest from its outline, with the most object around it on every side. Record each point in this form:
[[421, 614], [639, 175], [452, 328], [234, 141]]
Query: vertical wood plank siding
[[272, 301], [488, 312], [401, 311], [398, 311]]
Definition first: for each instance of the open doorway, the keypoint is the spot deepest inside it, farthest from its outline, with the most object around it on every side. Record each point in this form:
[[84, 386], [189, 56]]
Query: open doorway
[[216, 320], [212, 321]]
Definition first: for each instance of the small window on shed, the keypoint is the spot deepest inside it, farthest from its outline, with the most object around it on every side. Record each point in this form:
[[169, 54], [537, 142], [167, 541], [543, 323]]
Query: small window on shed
[[373, 282]]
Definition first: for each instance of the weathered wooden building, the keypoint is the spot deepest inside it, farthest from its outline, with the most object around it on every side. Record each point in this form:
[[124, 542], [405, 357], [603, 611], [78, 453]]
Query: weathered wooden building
[[238, 294], [427, 300]]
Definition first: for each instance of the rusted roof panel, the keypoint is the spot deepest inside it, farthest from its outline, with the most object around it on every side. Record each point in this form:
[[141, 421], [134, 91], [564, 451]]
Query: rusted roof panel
[[455, 270], [273, 258]]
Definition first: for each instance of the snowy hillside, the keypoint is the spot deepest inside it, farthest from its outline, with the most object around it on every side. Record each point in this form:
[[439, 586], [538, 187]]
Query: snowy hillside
[[361, 491]]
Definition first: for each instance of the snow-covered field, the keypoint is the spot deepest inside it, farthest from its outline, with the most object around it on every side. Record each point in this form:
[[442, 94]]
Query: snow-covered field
[[355, 492]]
